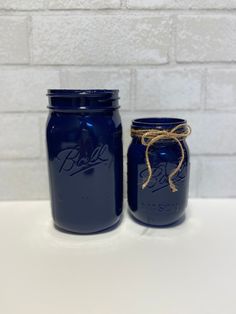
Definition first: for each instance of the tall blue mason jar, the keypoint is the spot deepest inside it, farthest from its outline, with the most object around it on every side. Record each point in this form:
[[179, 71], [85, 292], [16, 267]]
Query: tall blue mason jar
[[84, 144], [160, 200]]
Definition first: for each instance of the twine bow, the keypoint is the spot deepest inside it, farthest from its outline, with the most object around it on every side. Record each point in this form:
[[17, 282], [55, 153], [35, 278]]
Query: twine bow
[[152, 136]]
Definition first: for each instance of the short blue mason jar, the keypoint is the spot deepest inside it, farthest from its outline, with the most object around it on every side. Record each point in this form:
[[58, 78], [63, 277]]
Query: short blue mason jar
[[84, 145], [162, 200]]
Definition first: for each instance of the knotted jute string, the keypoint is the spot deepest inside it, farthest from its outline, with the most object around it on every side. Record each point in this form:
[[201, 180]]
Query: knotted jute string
[[152, 136]]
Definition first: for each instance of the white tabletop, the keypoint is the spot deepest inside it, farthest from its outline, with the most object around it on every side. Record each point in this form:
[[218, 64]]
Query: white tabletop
[[187, 269]]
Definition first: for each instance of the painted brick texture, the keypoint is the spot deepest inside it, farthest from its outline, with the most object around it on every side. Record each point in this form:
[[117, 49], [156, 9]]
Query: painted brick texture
[[14, 40], [100, 39]]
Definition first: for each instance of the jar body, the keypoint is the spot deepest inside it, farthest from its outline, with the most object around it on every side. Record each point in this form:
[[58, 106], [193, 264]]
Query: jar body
[[156, 204], [85, 169]]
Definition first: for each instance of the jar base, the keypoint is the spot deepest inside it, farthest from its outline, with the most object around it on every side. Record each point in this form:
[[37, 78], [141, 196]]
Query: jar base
[[107, 229], [177, 222]]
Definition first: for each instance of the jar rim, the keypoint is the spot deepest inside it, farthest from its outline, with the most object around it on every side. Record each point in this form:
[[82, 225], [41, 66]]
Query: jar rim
[[81, 93], [83, 99], [157, 122]]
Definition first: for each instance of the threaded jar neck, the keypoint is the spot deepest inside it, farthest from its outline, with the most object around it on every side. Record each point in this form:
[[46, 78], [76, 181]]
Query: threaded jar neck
[[83, 100]]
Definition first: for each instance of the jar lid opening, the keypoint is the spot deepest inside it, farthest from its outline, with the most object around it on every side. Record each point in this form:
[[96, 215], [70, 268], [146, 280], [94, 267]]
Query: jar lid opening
[[157, 122]]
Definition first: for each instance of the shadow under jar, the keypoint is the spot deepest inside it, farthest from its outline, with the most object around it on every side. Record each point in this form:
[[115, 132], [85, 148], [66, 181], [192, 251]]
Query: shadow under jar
[[156, 204], [84, 144]]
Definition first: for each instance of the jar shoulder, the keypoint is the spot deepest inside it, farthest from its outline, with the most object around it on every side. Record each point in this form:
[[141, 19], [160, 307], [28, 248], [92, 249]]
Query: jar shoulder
[[57, 122], [168, 150]]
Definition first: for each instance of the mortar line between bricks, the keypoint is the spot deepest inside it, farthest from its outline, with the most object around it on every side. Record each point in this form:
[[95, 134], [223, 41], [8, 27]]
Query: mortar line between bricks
[[172, 49], [30, 35], [199, 168], [170, 53], [25, 112], [204, 89], [60, 70], [44, 159], [210, 155], [199, 176], [20, 159], [182, 112], [133, 89], [216, 197], [41, 138], [20, 199], [121, 10], [45, 111], [134, 110], [195, 65]]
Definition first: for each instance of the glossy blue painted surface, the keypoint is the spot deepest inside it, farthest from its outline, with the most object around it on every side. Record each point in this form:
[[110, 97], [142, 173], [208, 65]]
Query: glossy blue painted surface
[[84, 142], [157, 205]]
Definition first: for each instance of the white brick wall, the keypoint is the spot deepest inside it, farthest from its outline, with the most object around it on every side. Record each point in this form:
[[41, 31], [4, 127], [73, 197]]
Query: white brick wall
[[221, 178], [181, 4], [83, 4], [23, 179], [159, 89], [25, 89], [22, 5], [20, 137], [206, 38], [128, 39], [14, 35], [168, 58], [221, 89]]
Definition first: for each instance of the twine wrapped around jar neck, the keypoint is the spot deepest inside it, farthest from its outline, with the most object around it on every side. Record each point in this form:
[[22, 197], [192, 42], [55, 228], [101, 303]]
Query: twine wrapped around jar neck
[[152, 136]]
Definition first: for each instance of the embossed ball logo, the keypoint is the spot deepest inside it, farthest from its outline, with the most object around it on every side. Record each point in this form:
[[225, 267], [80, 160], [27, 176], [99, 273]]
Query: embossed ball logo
[[160, 175], [76, 160]]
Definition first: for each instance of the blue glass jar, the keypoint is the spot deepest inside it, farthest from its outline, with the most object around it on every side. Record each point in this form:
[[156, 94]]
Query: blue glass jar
[[158, 193], [84, 144]]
